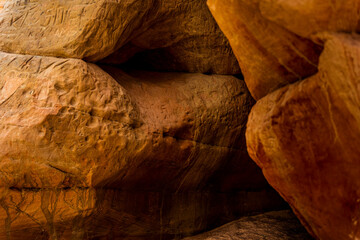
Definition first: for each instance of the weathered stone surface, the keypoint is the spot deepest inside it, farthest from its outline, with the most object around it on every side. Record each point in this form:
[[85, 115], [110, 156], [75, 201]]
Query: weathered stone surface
[[271, 226], [79, 28], [63, 123], [67, 123], [269, 55], [161, 141], [305, 137], [185, 33], [83, 214], [309, 17]]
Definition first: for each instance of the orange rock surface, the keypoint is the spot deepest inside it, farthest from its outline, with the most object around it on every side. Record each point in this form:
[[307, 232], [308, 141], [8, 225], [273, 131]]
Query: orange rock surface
[[112, 214], [269, 55], [68, 123], [89, 151], [309, 17], [305, 138], [184, 32]]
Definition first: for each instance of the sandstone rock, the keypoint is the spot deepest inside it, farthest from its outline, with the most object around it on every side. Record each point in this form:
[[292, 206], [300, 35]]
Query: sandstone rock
[[308, 17], [63, 123], [80, 213], [184, 37], [305, 138], [161, 142], [185, 33], [269, 55], [271, 226], [78, 29], [186, 116], [66, 123]]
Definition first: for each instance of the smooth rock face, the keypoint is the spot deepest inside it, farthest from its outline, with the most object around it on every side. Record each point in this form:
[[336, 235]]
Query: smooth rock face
[[185, 33], [305, 138], [269, 55], [308, 17], [271, 226]]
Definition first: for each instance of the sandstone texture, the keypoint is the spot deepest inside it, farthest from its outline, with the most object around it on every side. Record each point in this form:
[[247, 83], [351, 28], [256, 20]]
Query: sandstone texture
[[73, 120], [271, 226], [269, 55], [89, 151], [95, 143], [305, 138], [306, 18], [180, 35], [78, 29], [62, 121]]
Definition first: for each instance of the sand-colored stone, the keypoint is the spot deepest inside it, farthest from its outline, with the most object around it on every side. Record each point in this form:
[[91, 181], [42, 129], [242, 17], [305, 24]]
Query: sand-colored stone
[[185, 33], [270, 226], [269, 55], [306, 138], [309, 17]]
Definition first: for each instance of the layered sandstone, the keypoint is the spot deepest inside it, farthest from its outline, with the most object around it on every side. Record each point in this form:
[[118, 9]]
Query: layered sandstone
[[183, 32], [305, 138]]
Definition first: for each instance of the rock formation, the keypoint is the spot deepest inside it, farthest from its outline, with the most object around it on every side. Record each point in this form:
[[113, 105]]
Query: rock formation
[[88, 213], [307, 18], [303, 135], [90, 151], [95, 143], [183, 34], [73, 120], [269, 55], [182, 37], [271, 226], [305, 139]]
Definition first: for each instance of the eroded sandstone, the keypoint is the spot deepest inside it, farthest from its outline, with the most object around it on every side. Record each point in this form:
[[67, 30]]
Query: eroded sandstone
[[63, 123], [183, 32], [269, 55], [309, 17], [163, 142], [305, 138], [78, 29], [73, 120]]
